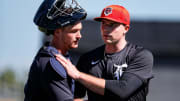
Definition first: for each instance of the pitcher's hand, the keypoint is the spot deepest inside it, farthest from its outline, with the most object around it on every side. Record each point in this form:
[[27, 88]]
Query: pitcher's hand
[[69, 67]]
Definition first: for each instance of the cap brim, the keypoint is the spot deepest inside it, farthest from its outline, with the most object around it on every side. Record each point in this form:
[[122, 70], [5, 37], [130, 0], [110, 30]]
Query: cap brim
[[100, 19]]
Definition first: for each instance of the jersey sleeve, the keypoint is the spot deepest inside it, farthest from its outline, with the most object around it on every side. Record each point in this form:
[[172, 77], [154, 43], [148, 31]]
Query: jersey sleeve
[[138, 72], [141, 65]]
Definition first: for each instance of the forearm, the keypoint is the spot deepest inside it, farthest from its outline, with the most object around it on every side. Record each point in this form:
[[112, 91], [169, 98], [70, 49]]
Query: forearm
[[78, 99], [123, 88], [95, 84]]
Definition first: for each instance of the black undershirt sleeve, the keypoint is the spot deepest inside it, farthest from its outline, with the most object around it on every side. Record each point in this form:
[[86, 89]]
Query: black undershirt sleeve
[[124, 87], [138, 72]]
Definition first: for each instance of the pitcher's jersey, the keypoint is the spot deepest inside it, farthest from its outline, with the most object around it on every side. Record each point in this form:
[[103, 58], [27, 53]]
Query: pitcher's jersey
[[127, 73]]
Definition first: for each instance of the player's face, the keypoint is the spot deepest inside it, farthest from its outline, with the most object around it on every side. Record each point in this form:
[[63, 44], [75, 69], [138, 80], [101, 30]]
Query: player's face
[[71, 35], [112, 32]]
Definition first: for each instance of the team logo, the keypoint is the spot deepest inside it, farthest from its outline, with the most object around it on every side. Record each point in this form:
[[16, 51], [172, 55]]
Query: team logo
[[94, 62], [108, 11], [118, 70]]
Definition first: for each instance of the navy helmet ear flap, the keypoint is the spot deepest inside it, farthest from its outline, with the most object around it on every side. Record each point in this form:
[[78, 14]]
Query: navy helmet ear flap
[[53, 14]]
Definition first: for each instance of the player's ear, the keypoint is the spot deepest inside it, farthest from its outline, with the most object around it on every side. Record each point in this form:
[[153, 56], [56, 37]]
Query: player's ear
[[126, 27]]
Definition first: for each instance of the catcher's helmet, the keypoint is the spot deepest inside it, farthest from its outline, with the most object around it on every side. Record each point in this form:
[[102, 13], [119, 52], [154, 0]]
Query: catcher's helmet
[[53, 14]]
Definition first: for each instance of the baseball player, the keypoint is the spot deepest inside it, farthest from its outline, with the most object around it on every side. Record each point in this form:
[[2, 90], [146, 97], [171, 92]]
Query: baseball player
[[116, 71], [47, 79]]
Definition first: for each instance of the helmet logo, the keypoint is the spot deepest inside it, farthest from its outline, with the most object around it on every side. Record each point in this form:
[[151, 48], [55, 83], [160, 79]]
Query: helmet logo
[[65, 23], [108, 11]]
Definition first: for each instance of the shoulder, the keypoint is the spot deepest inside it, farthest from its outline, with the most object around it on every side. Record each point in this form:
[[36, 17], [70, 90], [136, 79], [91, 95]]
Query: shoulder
[[140, 58], [43, 57], [139, 51], [140, 62], [47, 60]]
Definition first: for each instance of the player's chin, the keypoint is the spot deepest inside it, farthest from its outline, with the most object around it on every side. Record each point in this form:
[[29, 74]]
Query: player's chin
[[75, 45], [107, 41]]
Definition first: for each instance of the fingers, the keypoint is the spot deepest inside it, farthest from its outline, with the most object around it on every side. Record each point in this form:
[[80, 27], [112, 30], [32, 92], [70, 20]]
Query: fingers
[[63, 61], [60, 57], [70, 68], [63, 64]]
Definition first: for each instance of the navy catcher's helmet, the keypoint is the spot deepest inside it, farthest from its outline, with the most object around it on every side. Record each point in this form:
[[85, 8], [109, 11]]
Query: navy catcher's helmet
[[53, 14]]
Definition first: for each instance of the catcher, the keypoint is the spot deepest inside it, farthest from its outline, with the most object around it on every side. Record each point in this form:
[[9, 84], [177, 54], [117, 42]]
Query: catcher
[[47, 79]]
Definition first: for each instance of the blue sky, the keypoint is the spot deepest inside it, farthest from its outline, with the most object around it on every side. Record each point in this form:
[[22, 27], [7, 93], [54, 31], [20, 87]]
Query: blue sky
[[20, 39]]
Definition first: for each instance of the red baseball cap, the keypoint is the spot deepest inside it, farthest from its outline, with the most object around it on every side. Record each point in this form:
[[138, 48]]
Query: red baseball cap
[[115, 13]]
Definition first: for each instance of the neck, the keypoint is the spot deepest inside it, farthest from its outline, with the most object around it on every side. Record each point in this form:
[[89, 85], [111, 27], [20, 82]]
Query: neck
[[113, 48], [61, 49]]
